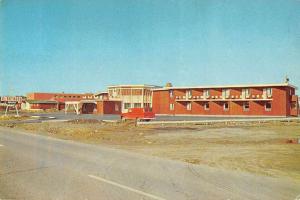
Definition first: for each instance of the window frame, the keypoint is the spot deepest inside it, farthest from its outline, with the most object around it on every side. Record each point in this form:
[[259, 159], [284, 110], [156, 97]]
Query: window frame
[[188, 93], [206, 93], [137, 105], [206, 106], [171, 93], [189, 106], [224, 107], [171, 106], [268, 109], [244, 106], [117, 107], [225, 92], [246, 92], [127, 107]]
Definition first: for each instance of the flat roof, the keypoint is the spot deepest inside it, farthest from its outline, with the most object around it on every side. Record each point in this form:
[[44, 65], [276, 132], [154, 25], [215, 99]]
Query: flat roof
[[134, 86], [229, 86], [41, 101], [98, 93], [60, 93]]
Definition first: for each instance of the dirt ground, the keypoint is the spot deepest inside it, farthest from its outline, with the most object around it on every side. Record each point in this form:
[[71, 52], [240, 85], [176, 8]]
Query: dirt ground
[[12, 117], [268, 148]]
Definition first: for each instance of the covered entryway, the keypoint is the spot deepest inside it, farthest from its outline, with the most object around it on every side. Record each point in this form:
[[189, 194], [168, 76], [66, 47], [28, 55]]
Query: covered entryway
[[72, 105]]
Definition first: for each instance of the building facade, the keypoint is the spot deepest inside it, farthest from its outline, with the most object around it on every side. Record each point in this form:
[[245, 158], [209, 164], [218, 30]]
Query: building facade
[[235, 100], [44, 101], [131, 96]]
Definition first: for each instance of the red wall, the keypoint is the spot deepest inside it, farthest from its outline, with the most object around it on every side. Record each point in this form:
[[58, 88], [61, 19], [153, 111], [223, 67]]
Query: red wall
[[281, 103], [43, 106], [60, 97], [108, 107]]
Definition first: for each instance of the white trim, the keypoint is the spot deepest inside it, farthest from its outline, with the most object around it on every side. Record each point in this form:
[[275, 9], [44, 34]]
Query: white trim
[[228, 86], [216, 100], [138, 86], [225, 116], [282, 118]]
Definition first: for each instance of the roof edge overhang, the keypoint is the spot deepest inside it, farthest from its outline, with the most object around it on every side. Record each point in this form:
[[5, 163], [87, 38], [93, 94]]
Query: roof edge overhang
[[229, 86], [134, 86]]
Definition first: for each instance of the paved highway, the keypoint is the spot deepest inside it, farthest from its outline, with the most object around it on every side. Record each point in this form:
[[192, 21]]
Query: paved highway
[[39, 167]]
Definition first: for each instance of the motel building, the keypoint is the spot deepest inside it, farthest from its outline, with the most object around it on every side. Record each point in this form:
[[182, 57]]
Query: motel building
[[131, 96], [55, 101], [227, 100]]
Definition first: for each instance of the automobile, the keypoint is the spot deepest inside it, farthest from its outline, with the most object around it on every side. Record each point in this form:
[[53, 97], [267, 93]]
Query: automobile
[[139, 114]]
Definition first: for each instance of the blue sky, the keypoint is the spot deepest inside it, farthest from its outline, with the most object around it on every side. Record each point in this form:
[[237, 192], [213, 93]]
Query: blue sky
[[85, 45]]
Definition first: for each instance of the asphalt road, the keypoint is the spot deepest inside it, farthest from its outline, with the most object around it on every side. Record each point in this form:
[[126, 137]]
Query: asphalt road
[[38, 167]]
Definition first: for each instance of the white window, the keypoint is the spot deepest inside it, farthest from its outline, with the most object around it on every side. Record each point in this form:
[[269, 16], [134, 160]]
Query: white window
[[206, 93], [226, 106], [116, 107], [171, 106], [171, 93], [137, 105], [268, 106], [189, 106], [127, 105], [206, 106], [189, 93], [246, 92], [267, 92], [147, 105], [246, 106], [225, 93]]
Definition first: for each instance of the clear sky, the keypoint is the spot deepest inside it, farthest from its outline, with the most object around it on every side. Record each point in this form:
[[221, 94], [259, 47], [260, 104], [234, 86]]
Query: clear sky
[[85, 45]]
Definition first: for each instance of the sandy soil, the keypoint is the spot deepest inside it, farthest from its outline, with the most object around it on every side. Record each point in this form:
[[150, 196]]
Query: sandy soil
[[267, 148], [13, 117]]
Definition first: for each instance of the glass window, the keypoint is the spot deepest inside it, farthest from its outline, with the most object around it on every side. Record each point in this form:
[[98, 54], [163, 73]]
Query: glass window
[[137, 105], [116, 107], [225, 93], [246, 106], [127, 105], [189, 93], [206, 106], [267, 92], [206, 93], [226, 106], [268, 106], [246, 92], [189, 106], [171, 106], [171, 93]]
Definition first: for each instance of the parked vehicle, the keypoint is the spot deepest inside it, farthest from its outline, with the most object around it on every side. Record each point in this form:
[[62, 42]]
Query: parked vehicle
[[140, 114]]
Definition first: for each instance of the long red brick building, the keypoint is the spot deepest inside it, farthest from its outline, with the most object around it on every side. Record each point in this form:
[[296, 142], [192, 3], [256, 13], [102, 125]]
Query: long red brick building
[[227, 100], [44, 101]]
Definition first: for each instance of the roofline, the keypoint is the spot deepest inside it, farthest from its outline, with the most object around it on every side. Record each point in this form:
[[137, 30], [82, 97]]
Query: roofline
[[133, 85], [41, 101], [98, 93], [60, 93], [229, 86]]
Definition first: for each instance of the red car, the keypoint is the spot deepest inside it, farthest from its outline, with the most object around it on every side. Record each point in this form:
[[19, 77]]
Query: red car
[[141, 114]]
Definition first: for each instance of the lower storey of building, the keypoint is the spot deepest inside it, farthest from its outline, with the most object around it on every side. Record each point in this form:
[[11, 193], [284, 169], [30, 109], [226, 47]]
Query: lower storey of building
[[263, 108]]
